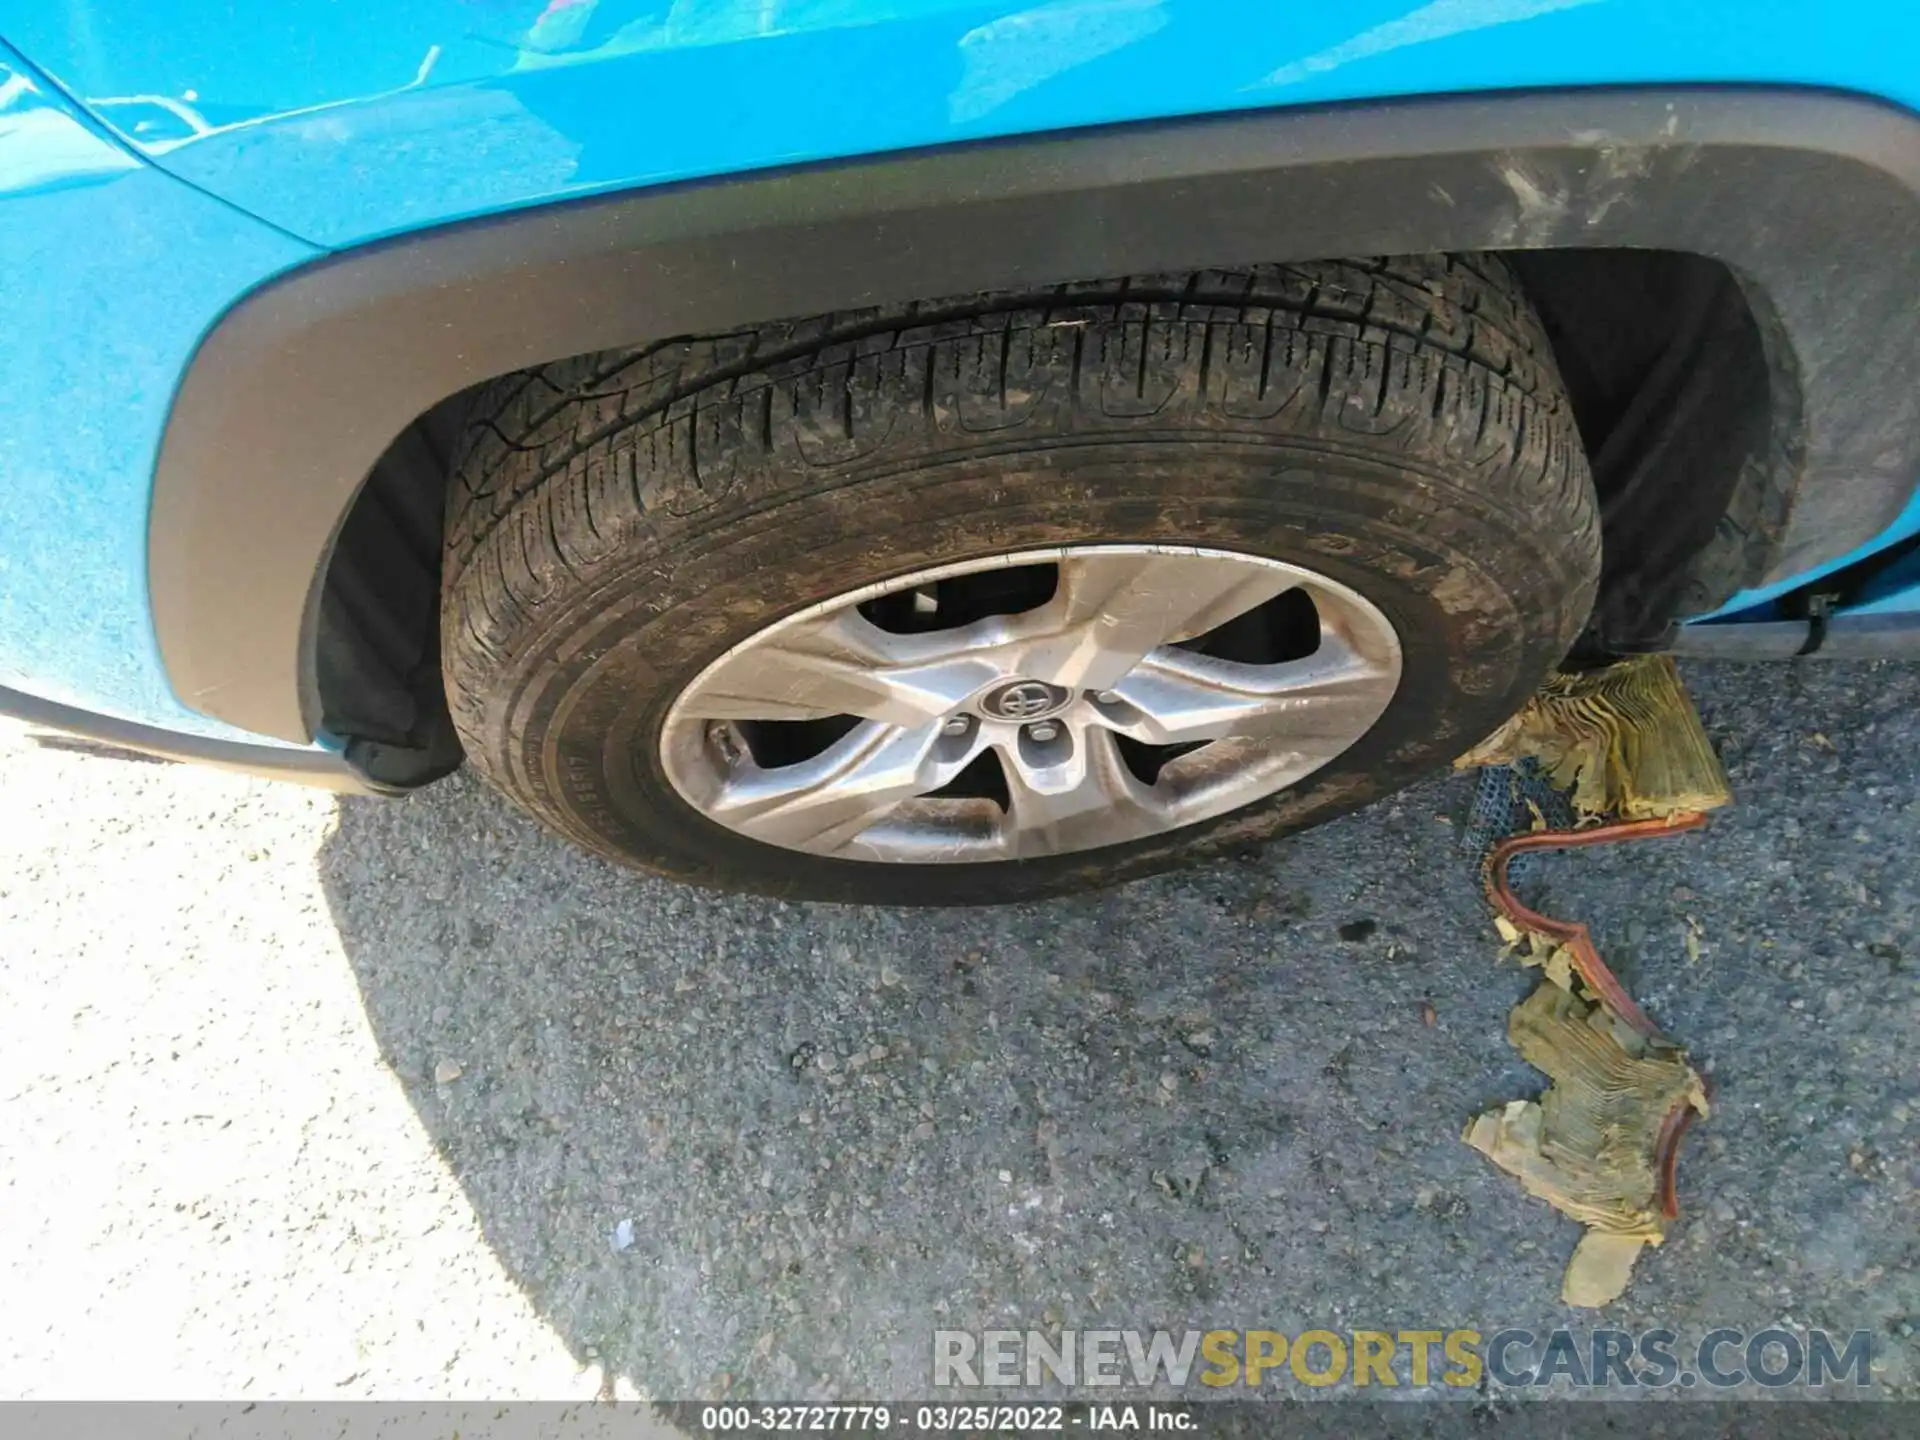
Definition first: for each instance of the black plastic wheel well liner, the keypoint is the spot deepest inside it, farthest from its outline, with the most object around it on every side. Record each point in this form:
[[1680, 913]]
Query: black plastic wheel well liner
[[1811, 198], [1666, 365]]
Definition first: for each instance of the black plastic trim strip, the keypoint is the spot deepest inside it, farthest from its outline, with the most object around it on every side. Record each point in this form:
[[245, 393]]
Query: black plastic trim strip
[[1844, 637], [1812, 198], [319, 768]]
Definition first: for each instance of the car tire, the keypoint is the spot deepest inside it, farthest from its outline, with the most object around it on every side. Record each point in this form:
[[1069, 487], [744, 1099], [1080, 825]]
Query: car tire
[[618, 523]]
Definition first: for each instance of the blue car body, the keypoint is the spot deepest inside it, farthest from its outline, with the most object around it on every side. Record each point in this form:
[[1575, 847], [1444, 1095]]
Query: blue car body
[[161, 162]]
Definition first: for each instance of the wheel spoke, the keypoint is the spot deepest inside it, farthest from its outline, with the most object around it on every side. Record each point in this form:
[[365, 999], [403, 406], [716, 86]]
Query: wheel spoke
[[839, 664], [1316, 706], [924, 703], [821, 803], [1112, 609], [1073, 793]]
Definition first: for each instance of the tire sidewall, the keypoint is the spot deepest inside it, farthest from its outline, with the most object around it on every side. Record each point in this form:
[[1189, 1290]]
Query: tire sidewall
[[1480, 610]]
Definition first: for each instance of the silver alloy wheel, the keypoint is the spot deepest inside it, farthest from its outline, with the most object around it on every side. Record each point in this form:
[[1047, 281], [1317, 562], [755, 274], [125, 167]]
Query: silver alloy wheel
[[1066, 695]]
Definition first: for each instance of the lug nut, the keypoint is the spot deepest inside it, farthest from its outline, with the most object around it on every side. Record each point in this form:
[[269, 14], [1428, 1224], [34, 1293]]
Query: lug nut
[[721, 735], [958, 725], [1108, 697], [1041, 731]]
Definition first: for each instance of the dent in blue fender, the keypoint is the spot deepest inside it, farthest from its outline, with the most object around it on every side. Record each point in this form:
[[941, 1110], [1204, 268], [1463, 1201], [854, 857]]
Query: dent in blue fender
[[1882, 596], [1895, 591], [110, 271], [342, 123]]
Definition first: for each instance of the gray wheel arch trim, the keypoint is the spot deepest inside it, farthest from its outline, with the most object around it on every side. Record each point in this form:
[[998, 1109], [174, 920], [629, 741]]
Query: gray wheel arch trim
[[1812, 198], [319, 768]]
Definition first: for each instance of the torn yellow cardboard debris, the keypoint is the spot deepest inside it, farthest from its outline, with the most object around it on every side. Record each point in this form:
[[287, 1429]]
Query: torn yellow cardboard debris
[[1592, 1145], [1627, 745], [1624, 740]]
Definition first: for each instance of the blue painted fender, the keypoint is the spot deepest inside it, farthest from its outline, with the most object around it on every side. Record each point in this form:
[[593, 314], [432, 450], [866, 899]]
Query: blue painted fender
[[341, 122], [167, 158]]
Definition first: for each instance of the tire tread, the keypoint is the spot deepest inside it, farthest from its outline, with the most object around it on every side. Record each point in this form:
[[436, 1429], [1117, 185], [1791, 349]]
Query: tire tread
[[575, 470]]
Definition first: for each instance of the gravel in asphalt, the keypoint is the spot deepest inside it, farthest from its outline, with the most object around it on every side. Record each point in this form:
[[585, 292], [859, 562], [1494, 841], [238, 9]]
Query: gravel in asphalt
[[334, 1098]]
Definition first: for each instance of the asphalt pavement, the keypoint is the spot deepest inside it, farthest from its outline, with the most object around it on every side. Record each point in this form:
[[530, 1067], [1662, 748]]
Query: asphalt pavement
[[338, 1098]]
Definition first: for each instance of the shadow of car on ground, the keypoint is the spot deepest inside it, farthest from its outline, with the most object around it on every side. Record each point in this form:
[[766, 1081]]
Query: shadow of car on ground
[[739, 1147]]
